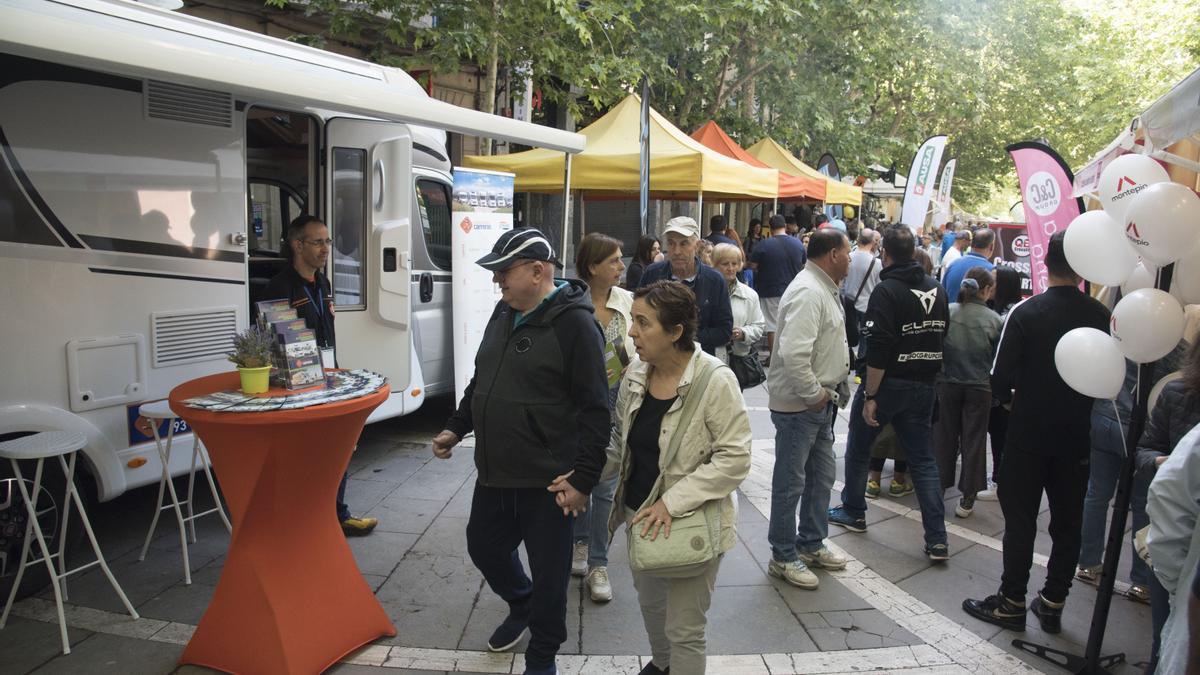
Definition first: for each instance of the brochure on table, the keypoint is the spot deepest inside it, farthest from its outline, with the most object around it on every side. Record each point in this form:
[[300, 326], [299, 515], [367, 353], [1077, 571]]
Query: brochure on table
[[339, 385], [482, 211]]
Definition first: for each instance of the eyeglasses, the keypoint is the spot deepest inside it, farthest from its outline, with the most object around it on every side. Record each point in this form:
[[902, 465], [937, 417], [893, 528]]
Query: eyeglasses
[[505, 272], [318, 243]]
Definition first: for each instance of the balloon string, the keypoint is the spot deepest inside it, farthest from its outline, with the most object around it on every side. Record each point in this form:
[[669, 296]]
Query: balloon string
[[1124, 443]]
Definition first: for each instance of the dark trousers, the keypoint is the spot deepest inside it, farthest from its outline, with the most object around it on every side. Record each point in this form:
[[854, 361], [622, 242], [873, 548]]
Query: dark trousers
[[997, 430], [343, 511], [961, 428], [1024, 475], [503, 518]]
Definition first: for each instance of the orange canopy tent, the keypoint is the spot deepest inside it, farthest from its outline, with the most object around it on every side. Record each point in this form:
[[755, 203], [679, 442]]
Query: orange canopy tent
[[775, 155], [790, 187]]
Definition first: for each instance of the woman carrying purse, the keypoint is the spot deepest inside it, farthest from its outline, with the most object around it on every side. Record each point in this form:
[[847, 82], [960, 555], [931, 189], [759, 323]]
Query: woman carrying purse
[[683, 442]]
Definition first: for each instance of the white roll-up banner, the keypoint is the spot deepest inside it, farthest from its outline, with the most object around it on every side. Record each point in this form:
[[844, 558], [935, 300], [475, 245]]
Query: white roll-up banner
[[941, 204], [482, 211], [919, 191]]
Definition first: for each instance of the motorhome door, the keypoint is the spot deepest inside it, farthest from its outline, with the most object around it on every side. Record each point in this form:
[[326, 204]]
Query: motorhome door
[[368, 178]]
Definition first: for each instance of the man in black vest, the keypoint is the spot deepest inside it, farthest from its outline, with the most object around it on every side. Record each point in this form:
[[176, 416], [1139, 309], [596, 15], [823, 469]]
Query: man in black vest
[[306, 287], [538, 404]]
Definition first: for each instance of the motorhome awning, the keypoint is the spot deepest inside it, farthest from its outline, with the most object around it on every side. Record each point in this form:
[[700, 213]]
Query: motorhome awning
[[144, 42], [680, 167]]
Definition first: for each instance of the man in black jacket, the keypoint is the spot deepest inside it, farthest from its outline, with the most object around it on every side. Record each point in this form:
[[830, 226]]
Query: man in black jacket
[[712, 293], [306, 287], [1047, 447], [538, 403], [906, 322]]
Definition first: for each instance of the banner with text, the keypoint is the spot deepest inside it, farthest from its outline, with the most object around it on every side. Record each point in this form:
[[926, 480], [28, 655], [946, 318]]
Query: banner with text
[[482, 211], [1046, 188], [941, 204], [919, 191]]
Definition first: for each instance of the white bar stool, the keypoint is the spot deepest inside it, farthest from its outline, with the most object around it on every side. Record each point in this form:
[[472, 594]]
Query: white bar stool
[[160, 410], [60, 444]]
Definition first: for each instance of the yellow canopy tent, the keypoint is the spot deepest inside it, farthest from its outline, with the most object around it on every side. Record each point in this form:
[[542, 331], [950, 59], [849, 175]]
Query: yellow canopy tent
[[773, 154], [680, 167]]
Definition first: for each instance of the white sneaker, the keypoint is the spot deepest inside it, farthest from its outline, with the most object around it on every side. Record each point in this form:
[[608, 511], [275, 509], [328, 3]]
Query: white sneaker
[[597, 584], [824, 559], [988, 495], [579, 556], [795, 573]]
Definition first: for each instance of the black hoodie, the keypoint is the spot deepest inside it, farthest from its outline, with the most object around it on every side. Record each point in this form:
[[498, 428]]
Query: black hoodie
[[906, 322], [538, 402]]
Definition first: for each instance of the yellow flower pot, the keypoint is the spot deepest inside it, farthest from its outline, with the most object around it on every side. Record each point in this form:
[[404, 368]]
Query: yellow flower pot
[[255, 380]]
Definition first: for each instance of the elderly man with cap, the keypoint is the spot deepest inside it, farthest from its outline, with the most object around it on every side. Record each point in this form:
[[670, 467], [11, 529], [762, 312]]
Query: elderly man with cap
[[712, 296], [538, 404]]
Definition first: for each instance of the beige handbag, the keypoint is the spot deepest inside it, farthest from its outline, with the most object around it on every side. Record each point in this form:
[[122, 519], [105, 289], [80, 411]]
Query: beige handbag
[[694, 538]]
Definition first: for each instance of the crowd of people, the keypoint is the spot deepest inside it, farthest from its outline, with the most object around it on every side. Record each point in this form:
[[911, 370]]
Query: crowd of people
[[613, 402]]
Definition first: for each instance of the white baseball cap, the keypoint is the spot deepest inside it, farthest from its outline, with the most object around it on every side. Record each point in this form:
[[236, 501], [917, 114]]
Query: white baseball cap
[[683, 225]]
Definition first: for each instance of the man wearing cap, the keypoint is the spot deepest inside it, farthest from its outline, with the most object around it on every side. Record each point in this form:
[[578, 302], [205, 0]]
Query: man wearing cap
[[538, 404], [962, 239], [712, 296], [775, 261]]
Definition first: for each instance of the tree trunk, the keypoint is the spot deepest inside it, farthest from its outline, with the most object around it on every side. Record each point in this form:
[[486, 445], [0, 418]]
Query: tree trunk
[[493, 67]]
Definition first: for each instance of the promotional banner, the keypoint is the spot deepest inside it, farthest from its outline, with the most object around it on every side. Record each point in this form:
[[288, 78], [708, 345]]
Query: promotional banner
[[827, 165], [919, 191], [1012, 250], [941, 204], [482, 211], [1046, 187]]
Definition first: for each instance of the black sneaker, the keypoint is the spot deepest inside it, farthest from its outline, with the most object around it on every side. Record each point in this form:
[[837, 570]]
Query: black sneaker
[[508, 634], [651, 669], [1049, 617], [937, 552], [838, 516], [997, 610]]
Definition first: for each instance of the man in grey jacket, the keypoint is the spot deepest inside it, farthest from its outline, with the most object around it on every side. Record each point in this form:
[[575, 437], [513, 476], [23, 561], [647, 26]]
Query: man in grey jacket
[[807, 384]]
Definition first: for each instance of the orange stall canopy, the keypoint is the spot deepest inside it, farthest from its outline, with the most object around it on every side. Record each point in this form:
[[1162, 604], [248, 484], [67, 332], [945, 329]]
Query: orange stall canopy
[[790, 187], [775, 155]]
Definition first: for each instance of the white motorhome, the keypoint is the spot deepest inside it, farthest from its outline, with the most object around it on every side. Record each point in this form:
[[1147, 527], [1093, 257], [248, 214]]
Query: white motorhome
[[149, 162]]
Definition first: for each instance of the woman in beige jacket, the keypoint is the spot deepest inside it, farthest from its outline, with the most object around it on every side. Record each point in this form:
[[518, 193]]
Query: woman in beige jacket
[[713, 459]]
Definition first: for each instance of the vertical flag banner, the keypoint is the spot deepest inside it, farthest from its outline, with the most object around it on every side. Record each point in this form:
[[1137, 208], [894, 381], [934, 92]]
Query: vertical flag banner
[[482, 211], [941, 204], [1046, 188], [828, 166], [919, 191]]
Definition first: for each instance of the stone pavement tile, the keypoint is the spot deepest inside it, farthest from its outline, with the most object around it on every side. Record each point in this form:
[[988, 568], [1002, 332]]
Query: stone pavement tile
[[212, 539], [830, 595], [210, 574], [986, 517], [406, 514], [395, 467], [980, 560], [892, 660], [432, 483], [445, 536], [489, 611], [944, 587], [736, 664], [375, 581], [102, 653], [175, 633], [26, 644], [753, 620], [429, 598], [460, 503], [857, 629], [179, 603], [87, 618], [380, 552], [887, 562], [140, 580], [739, 568], [416, 657], [614, 627], [364, 495]]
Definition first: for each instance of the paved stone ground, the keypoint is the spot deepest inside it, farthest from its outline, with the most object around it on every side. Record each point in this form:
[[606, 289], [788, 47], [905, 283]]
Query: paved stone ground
[[891, 610]]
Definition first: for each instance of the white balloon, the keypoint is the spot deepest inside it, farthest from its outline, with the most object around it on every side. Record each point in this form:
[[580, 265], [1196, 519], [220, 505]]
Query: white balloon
[[1167, 379], [1097, 251], [1124, 178], [1090, 362], [1185, 281], [1143, 276], [1163, 222], [1147, 324]]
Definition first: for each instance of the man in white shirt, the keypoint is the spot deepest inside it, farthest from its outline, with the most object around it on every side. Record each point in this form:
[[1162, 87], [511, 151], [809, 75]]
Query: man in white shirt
[[807, 384], [864, 272], [962, 239]]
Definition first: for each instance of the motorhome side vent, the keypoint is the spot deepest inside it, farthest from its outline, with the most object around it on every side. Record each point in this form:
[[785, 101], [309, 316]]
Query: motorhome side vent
[[191, 336], [167, 101]]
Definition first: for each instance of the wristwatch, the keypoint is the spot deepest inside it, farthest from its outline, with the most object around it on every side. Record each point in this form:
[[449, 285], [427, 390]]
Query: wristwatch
[[869, 397]]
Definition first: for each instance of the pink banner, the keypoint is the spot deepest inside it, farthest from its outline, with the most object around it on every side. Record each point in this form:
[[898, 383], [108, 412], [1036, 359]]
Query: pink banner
[[1046, 188]]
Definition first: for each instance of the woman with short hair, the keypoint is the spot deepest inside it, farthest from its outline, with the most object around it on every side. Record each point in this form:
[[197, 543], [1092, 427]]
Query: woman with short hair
[[748, 321], [711, 461]]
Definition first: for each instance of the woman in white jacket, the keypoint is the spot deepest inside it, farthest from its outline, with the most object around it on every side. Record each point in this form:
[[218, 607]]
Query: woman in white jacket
[[748, 321], [713, 458]]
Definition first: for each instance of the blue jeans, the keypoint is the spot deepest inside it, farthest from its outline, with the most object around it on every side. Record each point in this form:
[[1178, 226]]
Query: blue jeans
[[804, 473], [908, 406], [1102, 485], [592, 526]]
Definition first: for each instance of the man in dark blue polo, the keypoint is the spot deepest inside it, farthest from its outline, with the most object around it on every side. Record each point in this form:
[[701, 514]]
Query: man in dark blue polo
[[775, 261], [982, 242], [717, 228]]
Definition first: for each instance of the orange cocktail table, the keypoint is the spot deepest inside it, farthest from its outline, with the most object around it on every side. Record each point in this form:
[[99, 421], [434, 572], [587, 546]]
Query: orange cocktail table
[[291, 598]]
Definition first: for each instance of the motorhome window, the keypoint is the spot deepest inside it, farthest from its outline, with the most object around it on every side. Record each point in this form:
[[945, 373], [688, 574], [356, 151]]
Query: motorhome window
[[349, 227], [433, 203]]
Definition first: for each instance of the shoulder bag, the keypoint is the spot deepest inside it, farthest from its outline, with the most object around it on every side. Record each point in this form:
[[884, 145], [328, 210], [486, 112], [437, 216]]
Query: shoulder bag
[[694, 537], [748, 369]]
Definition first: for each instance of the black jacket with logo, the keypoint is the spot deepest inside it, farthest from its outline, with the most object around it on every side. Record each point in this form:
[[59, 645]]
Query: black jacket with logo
[[538, 402], [906, 322], [301, 294]]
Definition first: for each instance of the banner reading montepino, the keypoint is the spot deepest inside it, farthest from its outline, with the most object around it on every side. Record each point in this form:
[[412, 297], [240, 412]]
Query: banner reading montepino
[[941, 204], [1046, 187], [921, 175], [482, 211]]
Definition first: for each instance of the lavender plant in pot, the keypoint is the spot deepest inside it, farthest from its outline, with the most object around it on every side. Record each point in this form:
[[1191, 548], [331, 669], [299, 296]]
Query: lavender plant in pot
[[252, 354]]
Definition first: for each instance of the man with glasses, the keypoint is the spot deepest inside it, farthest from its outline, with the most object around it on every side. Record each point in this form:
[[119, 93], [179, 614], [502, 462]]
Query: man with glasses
[[538, 404], [306, 287]]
